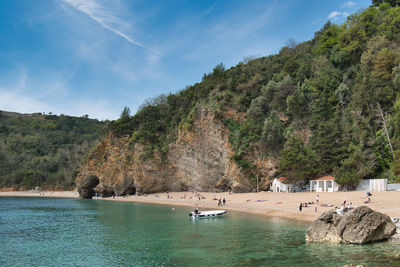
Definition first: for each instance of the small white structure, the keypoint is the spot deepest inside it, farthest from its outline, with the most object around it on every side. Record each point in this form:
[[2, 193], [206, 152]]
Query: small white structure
[[279, 186], [376, 185], [324, 184]]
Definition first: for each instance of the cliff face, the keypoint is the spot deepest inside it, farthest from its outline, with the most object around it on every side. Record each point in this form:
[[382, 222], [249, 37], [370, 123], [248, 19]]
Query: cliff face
[[199, 159]]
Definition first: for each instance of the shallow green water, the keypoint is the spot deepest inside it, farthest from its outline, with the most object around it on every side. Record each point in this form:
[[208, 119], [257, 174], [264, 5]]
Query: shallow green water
[[69, 232]]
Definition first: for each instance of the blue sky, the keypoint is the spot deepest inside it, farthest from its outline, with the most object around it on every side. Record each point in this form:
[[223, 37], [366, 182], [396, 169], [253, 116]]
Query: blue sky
[[94, 57]]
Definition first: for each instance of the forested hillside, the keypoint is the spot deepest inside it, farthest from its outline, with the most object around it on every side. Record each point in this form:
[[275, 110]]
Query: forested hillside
[[326, 106], [44, 150]]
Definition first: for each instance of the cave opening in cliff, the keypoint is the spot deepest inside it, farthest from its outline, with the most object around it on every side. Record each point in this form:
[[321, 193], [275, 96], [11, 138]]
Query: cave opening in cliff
[[107, 193], [131, 190]]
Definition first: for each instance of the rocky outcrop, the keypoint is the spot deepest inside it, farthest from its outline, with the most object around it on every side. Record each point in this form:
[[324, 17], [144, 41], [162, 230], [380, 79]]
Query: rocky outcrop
[[86, 186], [397, 222], [199, 159], [362, 225]]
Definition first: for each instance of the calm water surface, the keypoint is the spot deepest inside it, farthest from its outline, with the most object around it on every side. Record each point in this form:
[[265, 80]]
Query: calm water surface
[[70, 232]]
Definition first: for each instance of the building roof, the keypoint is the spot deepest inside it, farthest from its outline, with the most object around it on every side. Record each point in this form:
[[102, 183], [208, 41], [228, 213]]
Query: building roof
[[281, 179], [324, 178]]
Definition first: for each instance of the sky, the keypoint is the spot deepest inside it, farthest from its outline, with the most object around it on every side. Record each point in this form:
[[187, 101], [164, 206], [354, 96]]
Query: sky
[[78, 57]]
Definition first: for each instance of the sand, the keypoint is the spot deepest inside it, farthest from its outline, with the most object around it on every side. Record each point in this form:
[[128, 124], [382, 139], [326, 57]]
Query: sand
[[65, 194], [283, 205]]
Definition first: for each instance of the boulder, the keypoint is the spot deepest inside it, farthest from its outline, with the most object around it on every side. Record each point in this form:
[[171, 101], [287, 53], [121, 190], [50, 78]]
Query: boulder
[[397, 234], [359, 226]]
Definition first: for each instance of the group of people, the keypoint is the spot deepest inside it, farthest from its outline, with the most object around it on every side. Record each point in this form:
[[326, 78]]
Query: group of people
[[340, 210], [308, 204], [345, 207], [221, 203]]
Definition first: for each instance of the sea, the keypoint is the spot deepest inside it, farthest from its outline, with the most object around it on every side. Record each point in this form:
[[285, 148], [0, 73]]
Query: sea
[[73, 232]]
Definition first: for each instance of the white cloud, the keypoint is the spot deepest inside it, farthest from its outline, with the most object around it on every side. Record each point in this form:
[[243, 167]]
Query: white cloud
[[98, 109], [335, 15], [25, 94], [348, 4], [106, 19], [19, 102]]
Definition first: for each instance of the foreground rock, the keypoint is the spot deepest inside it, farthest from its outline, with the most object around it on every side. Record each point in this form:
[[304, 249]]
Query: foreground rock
[[397, 234], [360, 226]]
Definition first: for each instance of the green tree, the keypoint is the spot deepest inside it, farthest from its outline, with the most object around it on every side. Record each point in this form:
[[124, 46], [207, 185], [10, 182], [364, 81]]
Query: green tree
[[390, 2], [360, 164], [272, 136], [328, 144], [125, 114], [298, 162]]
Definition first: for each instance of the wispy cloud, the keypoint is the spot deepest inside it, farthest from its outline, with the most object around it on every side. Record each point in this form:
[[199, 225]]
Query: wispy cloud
[[106, 19], [14, 97], [348, 4], [335, 15]]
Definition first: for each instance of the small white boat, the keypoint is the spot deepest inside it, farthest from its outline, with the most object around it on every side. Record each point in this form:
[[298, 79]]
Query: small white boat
[[207, 214]]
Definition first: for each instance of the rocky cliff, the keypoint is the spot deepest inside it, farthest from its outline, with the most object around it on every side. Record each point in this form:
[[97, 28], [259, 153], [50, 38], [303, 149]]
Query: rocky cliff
[[199, 159]]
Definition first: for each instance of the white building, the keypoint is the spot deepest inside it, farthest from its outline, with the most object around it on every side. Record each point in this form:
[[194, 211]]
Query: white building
[[376, 185], [324, 184], [279, 186]]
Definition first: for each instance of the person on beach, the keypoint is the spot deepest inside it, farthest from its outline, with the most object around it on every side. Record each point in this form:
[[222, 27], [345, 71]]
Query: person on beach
[[317, 199], [223, 201], [301, 206], [219, 203]]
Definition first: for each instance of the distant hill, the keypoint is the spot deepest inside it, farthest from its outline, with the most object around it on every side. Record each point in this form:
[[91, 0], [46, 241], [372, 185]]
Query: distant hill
[[44, 150]]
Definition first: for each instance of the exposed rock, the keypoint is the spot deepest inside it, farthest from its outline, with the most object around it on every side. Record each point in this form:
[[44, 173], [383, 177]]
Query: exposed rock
[[362, 225], [397, 222], [199, 159], [86, 185], [324, 228]]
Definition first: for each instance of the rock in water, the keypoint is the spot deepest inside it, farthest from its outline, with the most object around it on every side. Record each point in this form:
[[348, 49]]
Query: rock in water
[[360, 226]]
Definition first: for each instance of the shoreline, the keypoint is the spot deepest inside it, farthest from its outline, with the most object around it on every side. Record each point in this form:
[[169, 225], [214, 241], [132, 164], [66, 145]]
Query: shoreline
[[282, 205], [60, 194]]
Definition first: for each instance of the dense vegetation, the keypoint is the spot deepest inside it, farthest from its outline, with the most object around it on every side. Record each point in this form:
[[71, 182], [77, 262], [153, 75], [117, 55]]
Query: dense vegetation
[[330, 105], [44, 150]]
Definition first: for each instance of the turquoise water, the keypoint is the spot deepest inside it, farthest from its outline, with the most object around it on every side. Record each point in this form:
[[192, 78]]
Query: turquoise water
[[70, 232]]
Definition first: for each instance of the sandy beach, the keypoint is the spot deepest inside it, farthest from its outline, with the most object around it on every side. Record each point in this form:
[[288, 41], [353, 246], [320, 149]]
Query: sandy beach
[[283, 205], [65, 194]]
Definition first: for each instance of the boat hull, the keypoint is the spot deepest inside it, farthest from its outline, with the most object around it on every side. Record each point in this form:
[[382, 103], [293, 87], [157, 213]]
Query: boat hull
[[207, 214]]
